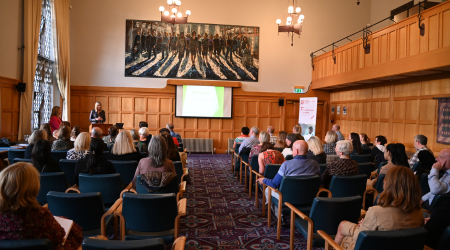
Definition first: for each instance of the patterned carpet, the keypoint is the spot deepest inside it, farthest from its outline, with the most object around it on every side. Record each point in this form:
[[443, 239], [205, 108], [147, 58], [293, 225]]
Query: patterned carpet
[[221, 215]]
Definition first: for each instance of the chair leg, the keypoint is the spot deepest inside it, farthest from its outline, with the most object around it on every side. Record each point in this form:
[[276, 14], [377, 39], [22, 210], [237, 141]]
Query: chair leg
[[292, 231], [245, 181], [240, 172], [232, 162], [116, 237], [250, 185], [264, 200], [280, 202], [256, 192], [122, 228], [269, 213]]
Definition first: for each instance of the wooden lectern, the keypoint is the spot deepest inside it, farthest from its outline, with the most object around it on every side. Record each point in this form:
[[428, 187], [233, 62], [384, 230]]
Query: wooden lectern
[[104, 127]]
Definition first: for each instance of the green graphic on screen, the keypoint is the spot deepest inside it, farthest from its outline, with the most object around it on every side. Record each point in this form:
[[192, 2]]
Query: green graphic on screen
[[203, 101]]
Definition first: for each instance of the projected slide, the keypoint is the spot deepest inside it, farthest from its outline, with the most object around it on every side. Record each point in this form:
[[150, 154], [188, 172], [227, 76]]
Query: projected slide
[[203, 101]]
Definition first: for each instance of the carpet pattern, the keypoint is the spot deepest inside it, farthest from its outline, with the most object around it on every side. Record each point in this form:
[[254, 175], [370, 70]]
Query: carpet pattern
[[220, 214]]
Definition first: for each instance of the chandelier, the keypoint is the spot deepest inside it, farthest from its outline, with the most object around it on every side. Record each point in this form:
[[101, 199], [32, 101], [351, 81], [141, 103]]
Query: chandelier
[[290, 27], [176, 17]]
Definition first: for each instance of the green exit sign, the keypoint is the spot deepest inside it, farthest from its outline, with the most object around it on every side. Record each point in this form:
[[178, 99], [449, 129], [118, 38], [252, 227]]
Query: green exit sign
[[298, 90]]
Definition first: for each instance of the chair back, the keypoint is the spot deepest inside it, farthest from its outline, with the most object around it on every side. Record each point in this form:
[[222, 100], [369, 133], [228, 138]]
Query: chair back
[[380, 166], [55, 181], [279, 149], [68, 167], [85, 209], [16, 160], [417, 166], [322, 167], [254, 163], [366, 151], [362, 158], [245, 157], [178, 170], [149, 212], [126, 169], [346, 186], [59, 155], [181, 146], [423, 183], [411, 239], [438, 200], [172, 187], [271, 170], [444, 242], [106, 154], [365, 168], [180, 149], [236, 149], [15, 153], [147, 244], [327, 213], [289, 157], [109, 185], [36, 244], [379, 186], [144, 154], [308, 184]]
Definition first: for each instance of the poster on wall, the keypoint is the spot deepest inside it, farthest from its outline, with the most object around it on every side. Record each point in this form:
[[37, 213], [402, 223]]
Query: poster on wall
[[338, 111], [332, 110], [191, 51], [443, 131], [307, 116], [344, 110]]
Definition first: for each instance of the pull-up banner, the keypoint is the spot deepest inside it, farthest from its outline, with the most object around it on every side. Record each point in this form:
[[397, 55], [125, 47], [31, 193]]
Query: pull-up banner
[[307, 116]]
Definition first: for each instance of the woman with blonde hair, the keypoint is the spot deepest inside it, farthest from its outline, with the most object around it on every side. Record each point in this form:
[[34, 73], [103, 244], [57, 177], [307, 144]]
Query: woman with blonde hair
[[124, 149], [263, 137], [81, 147], [23, 216], [63, 143], [330, 143], [397, 208], [97, 114], [281, 142], [38, 134], [315, 151]]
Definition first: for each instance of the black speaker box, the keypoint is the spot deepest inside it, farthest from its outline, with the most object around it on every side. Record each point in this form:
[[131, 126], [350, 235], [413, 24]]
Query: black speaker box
[[21, 86], [281, 102]]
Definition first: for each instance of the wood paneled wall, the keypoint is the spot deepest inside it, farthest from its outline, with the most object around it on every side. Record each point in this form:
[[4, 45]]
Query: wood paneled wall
[[399, 110], [157, 107], [10, 108]]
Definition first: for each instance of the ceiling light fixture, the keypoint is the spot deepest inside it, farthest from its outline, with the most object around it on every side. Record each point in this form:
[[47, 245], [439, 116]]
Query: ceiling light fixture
[[290, 27]]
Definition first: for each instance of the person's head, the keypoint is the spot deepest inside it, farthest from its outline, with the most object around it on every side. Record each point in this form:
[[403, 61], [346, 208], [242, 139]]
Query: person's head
[[420, 141], [336, 127], [170, 126], [46, 127], [143, 133], [98, 106], [244, 39], [310, 130], [216, 36], [300, 147], [205, 35], [64, 133], [297, 129], [344, 148], [210, 36], [76, 130], [188, 35], [113, 131], [331, 137], [138, 32], [245, 130], [264, 137], [38, 134], [134, 134], [124, 143], [270, 130], [380, 140], [164, 130], [40, 155], [282, 137], [354, 138], [82, 142], [229, 37], [291, 138], [64, 123], [395, 152], [194, 33], [143, 124], [19, 187], [56, 111], [315, 145], [96, 132], [364, 138], [444, 158], [159, 33], [401, 190], [254, 131], [96, 147], [157, 150], [265, 146]]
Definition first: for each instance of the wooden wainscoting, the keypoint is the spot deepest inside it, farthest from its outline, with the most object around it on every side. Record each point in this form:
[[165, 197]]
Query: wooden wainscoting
[[157, 107], [399, 110], [10, 108]]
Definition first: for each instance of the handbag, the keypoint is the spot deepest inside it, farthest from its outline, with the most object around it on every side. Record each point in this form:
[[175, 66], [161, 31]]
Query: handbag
[[154, 181]]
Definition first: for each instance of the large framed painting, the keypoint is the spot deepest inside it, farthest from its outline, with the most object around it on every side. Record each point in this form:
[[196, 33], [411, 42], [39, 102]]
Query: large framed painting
[[443, 129], [191, 51]]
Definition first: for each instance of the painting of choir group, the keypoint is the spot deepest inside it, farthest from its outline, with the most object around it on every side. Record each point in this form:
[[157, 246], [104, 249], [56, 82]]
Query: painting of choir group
[[191, 51]]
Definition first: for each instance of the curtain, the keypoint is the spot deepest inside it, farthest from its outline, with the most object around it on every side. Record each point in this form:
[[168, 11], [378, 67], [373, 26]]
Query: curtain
[[32, 22], [61, 42]]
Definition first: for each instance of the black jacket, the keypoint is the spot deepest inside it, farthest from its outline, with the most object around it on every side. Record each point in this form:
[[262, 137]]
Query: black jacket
[[94, 115]]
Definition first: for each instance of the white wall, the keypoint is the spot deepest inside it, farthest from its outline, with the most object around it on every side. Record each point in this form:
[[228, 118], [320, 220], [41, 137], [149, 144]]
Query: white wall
[[11, 30], [97, 33]]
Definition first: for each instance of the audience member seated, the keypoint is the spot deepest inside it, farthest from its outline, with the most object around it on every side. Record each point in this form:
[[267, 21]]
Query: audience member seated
[[291, 138], [37, 135], [268, 156], [427, 159], [438, 186], [81, 147], [315, 151], [142, 143], [437, 223], [420, 144], [263, 137], [251, 141], [94, 162], [135, 136], [298, 166], [273, 138], [344, 166], [22, 217], [46, 127], [168, 131], [96, 134], [298, 130], [330, 143], [63, 143], [124, 149], [398, 208], [356, 142], [281, 142], [378, 150], [171, 149], [395, 156], [365, 141], [76, 130], [337, 129], [244, 134], [143, 124], [55, 119], [42, 159], [170, 127], [156, 160], [110, 139]]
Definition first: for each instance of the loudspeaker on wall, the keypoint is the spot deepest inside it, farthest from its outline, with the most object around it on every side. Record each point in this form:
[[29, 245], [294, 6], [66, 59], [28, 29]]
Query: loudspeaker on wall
[[281, 102], [21, 86]]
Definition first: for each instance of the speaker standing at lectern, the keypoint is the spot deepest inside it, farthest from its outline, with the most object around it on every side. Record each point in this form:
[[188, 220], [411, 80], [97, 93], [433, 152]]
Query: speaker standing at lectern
[[97, 114]]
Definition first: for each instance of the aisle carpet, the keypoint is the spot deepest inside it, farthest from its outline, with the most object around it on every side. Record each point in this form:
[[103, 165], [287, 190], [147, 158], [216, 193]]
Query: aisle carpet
[[220, 214]]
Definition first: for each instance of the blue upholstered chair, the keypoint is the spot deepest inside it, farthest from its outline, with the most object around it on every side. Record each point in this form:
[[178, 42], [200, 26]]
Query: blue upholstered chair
[[444, 242], [106, 154], [423, 182], [16, 160], [366, 151], [362, 158], [417, 166], [172, 187], [126, 169], [15, 153], [68, 167], [322, 167], [149, 244], [380, 166], [365, 168], [36, 244], [51, 182], [269, 172], [438, 200], [326, 215], [347, 186], [181, 173], [109, 185], [144, 154], [411, 239], [289, 157], [254, 166], [58, 155], [299, 191]]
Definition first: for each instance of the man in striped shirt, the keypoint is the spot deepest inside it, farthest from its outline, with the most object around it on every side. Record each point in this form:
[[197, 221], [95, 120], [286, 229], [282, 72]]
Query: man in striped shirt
[[273, 138]]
